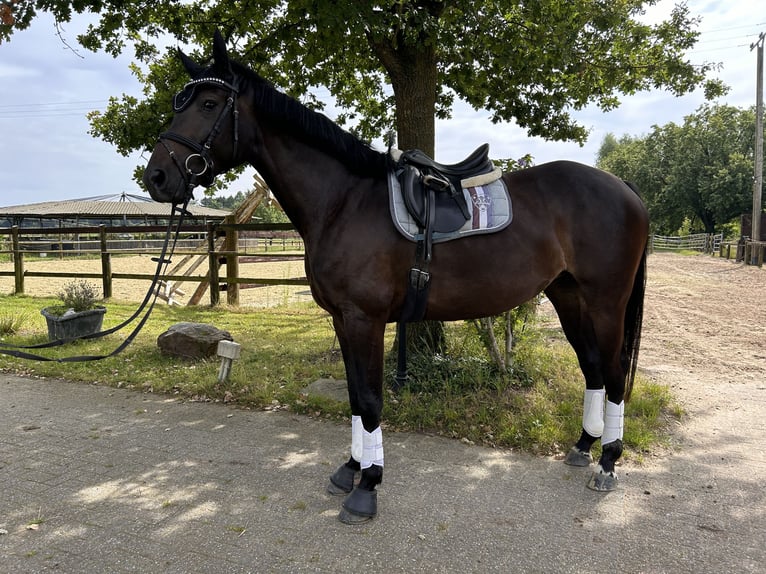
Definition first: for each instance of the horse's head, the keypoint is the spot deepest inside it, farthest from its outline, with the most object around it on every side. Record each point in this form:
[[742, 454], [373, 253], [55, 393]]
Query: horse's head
[[202, 139]]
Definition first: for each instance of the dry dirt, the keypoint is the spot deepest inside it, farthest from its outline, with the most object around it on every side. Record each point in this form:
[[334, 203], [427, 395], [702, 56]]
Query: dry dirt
[[704, 321], [705, 317]]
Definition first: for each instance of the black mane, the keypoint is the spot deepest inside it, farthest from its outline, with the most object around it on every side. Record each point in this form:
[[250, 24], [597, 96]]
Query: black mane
[[310, 126]]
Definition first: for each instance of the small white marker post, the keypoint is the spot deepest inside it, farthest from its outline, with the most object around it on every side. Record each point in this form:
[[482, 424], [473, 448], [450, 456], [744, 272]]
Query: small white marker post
[[229, 352]]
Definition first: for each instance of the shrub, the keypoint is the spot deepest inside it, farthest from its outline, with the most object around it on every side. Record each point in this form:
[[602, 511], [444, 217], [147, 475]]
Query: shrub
[[79, 295]]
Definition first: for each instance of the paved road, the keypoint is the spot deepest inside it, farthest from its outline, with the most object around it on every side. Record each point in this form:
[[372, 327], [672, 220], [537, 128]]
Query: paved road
[[101, 480]]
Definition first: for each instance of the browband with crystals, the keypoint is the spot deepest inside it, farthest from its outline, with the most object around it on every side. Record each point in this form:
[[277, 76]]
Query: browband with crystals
[[183, 98]]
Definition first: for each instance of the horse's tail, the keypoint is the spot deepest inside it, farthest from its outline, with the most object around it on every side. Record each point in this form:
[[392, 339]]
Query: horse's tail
[[634, 317]]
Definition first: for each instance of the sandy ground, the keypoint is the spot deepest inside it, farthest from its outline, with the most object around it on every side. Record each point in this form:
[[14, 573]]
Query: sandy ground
[[135, 290], [704, 321]]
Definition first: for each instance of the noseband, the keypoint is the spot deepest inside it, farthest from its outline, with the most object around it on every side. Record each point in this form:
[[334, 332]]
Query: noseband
[[200, 163]]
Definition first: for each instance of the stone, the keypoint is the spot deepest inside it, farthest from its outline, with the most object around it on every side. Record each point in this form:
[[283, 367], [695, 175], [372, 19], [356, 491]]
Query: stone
[[335, 389], [192, 340]]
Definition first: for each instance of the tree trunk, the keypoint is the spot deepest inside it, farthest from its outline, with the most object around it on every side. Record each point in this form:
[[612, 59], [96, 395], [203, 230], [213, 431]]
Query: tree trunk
[[412, 70]]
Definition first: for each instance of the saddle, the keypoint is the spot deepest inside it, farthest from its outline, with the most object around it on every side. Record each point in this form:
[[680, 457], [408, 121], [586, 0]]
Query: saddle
[[432, 191]]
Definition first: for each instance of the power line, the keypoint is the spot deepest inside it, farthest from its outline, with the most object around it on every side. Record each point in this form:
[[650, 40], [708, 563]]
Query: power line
[[60, 103], [50, 109]]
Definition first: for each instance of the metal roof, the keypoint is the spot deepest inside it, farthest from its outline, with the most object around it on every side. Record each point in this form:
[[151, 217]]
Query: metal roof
[[93, 207]]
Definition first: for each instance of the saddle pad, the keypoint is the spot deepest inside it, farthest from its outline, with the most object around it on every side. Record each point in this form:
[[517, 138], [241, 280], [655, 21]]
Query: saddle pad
[[491, 211]]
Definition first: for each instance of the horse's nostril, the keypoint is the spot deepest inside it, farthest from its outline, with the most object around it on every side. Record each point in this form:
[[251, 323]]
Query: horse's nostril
[[156, 178]]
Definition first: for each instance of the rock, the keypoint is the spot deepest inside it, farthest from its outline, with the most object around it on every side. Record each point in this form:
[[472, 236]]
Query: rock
[[192, 340], [334, 389]]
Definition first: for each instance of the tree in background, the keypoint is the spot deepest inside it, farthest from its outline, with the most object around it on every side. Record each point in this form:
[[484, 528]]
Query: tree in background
[[268, 211], [701, 171]]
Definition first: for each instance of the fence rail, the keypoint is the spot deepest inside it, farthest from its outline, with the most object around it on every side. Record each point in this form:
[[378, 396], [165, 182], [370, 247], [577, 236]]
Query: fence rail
[[704, 242], [218, 244]]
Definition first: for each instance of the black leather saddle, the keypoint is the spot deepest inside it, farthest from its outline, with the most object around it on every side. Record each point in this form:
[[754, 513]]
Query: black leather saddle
[[432, 191]]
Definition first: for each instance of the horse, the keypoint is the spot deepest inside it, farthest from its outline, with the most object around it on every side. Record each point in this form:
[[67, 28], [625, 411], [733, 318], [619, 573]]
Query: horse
[[578, 234]]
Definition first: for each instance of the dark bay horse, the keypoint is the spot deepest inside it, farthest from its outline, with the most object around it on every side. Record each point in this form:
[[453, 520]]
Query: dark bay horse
[[578, 234]]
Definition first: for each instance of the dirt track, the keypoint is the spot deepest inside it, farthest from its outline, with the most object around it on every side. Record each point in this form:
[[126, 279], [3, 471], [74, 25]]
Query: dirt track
[[705, 318], [704, 322]]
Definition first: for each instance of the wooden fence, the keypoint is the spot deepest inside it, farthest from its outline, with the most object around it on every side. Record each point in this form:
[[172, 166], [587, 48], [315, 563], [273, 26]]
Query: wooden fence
[[218, 244], [751, 252]]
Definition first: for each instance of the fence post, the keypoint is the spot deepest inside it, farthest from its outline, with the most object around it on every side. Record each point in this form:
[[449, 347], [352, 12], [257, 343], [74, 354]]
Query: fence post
[[231, 244], [106, 263], [215, 288], [18, 261]]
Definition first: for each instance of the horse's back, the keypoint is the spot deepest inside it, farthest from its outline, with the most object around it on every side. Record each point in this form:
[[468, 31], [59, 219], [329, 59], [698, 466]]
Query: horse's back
[[578, 194]]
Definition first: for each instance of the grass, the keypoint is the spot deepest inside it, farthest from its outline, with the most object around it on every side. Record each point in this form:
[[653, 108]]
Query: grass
[[536, 408], [11, 322]]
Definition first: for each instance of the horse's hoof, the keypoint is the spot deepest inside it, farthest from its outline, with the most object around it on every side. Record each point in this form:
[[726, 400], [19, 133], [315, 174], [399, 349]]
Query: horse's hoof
[[601, 481], [359, 507], [577, 457], [352, 519], [342, 481]]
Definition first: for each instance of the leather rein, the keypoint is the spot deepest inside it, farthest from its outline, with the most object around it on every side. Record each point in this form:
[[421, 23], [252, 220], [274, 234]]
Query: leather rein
[[195, 166]]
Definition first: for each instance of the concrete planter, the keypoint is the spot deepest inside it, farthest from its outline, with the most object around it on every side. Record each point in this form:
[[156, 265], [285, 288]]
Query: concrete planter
[[73, 325]]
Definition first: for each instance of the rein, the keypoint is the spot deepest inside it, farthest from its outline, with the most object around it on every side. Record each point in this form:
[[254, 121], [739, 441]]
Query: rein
[[162, 263]]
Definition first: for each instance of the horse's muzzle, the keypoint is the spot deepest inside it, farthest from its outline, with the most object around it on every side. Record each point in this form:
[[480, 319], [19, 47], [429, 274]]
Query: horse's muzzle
[[163, 188]]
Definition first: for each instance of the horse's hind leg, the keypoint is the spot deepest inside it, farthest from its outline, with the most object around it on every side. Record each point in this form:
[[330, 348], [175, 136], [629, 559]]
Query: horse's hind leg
[[614, 368], [596, 339]]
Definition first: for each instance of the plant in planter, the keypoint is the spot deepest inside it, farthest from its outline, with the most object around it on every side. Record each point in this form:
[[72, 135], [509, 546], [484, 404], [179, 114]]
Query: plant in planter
[[78, 315]]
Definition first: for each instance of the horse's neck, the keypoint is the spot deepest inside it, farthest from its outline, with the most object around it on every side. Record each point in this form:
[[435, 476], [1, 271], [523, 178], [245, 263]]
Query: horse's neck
[[310, 185]]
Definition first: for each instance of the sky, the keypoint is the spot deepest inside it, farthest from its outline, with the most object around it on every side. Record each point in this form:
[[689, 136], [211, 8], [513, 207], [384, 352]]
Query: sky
[[47, 154]]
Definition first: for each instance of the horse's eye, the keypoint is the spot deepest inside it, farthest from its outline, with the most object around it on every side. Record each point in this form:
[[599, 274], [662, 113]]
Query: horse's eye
[[209, 105]]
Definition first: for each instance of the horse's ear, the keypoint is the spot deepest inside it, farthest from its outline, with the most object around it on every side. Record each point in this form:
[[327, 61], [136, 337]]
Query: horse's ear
[[191, 66], [220, 56]]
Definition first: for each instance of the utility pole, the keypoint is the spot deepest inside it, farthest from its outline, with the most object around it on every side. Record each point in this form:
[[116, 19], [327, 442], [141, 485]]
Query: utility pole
[[758, 176]]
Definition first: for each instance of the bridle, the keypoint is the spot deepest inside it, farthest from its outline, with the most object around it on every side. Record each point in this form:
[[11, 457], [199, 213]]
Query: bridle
[[199, 164]]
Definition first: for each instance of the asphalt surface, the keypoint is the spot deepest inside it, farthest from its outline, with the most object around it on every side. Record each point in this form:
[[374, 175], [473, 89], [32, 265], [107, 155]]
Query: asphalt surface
[[101, 480]]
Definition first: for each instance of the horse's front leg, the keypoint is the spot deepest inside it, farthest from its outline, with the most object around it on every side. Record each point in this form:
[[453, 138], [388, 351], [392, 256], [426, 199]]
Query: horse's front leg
[[361, 342]]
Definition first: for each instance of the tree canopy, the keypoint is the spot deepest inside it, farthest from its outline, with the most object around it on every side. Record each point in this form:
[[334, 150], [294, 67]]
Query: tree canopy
[[396, 63], [701, 171]]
